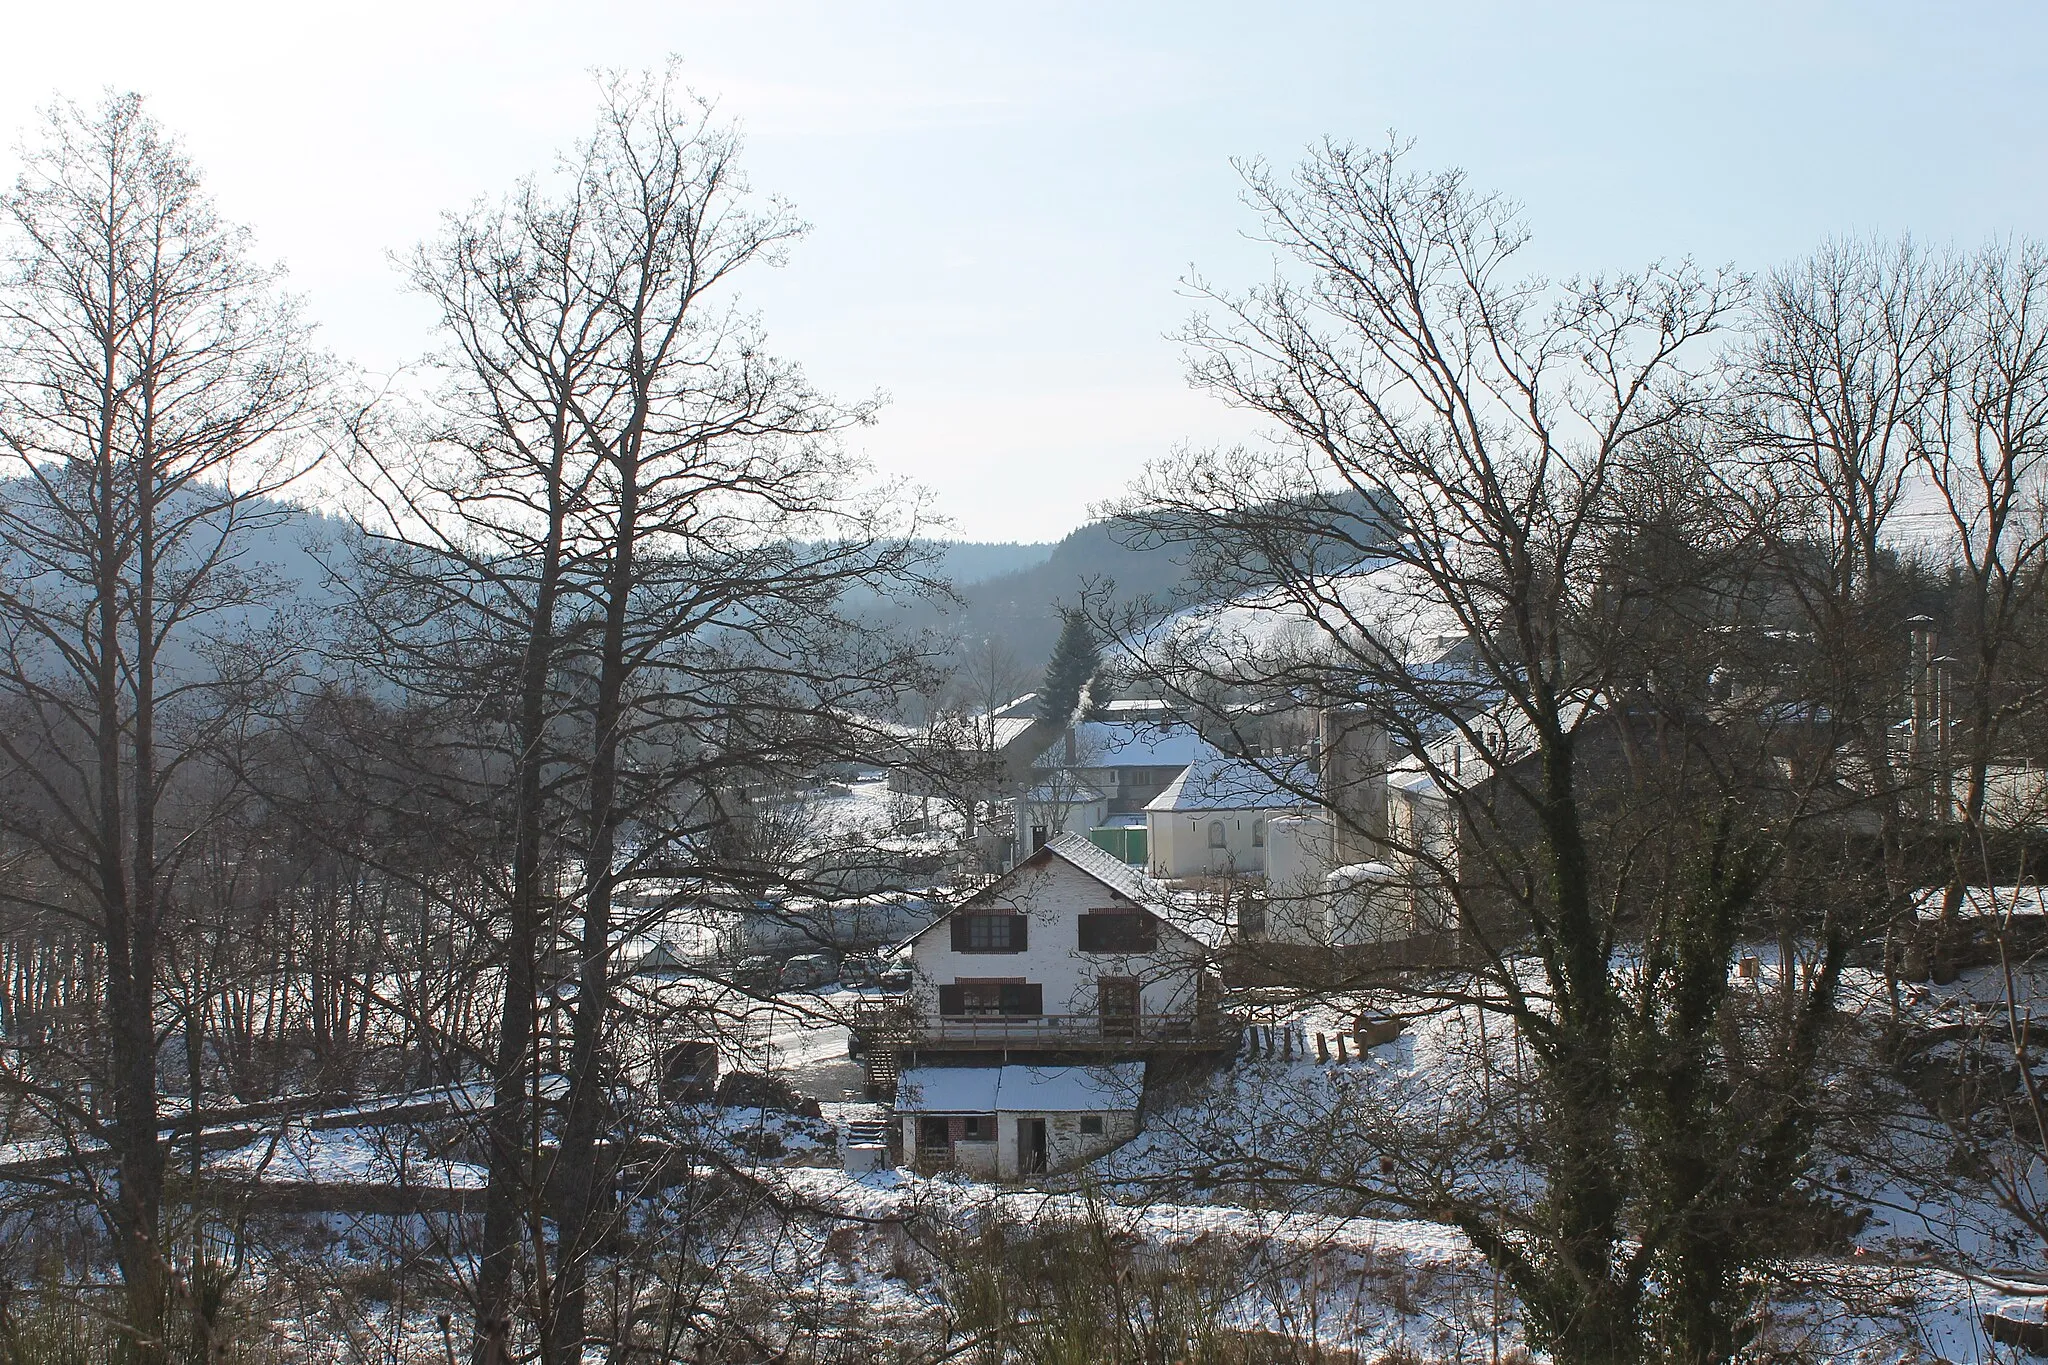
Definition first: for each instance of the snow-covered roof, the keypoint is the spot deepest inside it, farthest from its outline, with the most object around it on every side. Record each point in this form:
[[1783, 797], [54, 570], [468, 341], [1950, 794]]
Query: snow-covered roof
[[1024, 707], [1505, 738], [1236, 784], [1138, 744], [1076, 793], [1984, 902], [1031, 1089], [948, 1090], [1355, 874], [1127, 708], [1071, 1089]]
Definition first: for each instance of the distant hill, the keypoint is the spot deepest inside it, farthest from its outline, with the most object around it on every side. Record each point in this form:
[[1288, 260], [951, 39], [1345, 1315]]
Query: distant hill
[[1013, 592], [1020, 606], [974, 561]]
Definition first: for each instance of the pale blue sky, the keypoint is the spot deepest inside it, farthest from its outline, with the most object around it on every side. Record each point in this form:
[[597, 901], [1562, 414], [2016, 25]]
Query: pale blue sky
[[1004, 197]]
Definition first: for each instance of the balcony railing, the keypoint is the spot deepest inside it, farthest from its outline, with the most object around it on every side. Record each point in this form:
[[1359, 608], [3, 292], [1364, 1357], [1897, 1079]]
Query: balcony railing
[[1067, 1030]]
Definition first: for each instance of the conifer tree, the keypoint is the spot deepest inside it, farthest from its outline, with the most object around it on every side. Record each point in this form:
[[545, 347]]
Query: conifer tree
[[1071, 673]]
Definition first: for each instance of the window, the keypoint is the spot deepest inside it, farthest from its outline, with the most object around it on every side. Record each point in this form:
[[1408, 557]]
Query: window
[[1118, 931], [1258, 834], [934, 1133], [1091, 1125], [968, 999], [978, 1128], [1216, 834], [1001, 932]]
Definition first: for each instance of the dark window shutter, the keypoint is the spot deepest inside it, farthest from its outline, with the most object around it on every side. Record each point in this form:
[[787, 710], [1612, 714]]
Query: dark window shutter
[[1020, 933], [1091, 934], [949, 1000], [959, 933], [1026, 999]]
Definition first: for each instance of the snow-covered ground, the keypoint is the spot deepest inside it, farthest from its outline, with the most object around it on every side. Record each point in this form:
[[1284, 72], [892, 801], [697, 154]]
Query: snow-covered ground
[[1933, 1254]]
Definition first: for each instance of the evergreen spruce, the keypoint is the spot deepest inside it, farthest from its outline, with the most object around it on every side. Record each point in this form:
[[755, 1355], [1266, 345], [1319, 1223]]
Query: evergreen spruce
[[1072, 672]]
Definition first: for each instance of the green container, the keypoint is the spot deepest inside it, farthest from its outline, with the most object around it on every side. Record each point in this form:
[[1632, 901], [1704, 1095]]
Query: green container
[[1123, 842]]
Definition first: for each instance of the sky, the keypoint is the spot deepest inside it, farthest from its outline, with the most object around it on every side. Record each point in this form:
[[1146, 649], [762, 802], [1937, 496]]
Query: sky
[[1005, 199]]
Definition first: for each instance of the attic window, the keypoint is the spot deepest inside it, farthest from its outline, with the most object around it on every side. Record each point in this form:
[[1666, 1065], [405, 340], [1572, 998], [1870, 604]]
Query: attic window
[[1118, 931], [990, 933]]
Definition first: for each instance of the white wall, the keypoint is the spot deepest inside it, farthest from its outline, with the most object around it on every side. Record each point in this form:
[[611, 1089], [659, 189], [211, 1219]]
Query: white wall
[[1179, 842], [1298, 858], [1066, 1145], [1421, 818], [1059, 817], [1053, 894]]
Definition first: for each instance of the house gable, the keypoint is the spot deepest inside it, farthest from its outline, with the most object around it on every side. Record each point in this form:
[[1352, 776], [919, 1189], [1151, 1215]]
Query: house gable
[[1074, 955]]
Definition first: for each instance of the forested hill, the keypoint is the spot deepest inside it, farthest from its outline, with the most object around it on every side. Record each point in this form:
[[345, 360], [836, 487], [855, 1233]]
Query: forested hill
[[1018, 601], [1008, 592], [1019, 605]]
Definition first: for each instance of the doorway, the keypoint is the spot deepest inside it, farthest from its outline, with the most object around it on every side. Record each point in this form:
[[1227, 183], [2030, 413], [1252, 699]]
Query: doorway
[[1032, 1147], [1116, 1003]]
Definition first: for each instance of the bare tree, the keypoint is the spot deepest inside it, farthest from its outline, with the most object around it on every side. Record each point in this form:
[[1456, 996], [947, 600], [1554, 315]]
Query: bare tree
[[1984, 444], [154, 390], [726, 526], [630, 496], [1839, 380], [1508, 540]]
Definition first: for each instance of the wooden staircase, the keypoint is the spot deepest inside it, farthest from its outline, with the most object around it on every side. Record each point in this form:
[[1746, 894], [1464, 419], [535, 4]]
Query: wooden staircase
[[881, 1071]]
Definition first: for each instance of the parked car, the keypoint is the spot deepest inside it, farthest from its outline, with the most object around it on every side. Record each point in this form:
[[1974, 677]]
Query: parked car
[[758, 973], [895, 973], [862, 969], [811, 969]]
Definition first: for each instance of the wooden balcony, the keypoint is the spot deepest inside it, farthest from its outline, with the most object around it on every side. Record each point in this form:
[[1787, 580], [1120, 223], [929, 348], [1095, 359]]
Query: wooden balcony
[[1089, 1033]]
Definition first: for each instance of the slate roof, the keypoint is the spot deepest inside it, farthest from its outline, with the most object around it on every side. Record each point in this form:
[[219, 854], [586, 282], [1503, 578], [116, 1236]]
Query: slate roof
[[1113, 872]]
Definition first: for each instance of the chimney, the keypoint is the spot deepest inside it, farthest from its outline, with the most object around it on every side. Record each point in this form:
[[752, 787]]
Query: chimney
[[1920, 687], [1354, 779]]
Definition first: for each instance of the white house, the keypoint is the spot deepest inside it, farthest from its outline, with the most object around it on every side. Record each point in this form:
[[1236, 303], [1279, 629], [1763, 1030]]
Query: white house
[[1071, 949], [1058, 804], [1211, 820], [1008, 1121]]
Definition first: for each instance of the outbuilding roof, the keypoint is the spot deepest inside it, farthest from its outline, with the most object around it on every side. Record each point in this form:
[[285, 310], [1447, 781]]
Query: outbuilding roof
[[1027, 1089], [1072, 793]]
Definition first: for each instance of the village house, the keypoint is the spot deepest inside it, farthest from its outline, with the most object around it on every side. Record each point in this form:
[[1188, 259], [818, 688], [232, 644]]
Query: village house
[[1211, 820], [1071, 950], [1036, 1004]]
